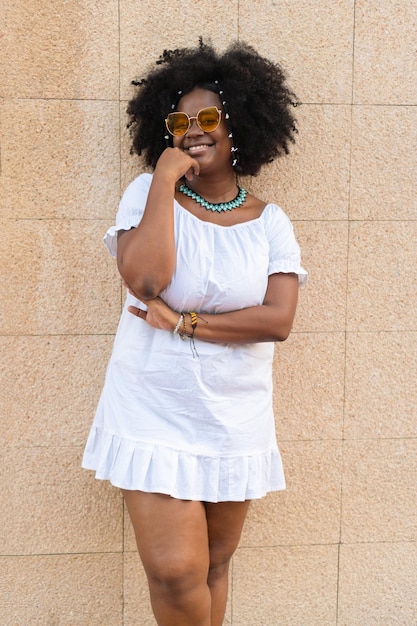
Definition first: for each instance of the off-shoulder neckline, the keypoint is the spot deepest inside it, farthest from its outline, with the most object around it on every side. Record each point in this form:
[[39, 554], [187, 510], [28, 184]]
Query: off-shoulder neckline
[[181, 208]]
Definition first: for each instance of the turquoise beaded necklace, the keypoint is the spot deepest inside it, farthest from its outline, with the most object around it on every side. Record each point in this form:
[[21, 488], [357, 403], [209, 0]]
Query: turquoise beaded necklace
[[221, 206]]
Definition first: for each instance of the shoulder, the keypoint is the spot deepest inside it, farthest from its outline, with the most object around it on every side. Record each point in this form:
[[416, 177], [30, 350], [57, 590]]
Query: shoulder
[[133, 201], [138, 187], [276, 223], [269, 211], [274, 214]]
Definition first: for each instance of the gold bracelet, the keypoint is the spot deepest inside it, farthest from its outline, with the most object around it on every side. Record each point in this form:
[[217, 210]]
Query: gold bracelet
[[194, 317]]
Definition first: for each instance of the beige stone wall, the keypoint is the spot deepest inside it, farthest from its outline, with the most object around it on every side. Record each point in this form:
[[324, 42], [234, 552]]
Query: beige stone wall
[[338, 547]]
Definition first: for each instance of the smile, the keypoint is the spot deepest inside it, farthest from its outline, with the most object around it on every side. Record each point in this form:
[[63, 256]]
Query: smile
[[198, 148]]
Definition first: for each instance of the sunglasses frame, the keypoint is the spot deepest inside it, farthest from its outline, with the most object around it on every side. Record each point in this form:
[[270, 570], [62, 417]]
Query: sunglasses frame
[[194, 117]]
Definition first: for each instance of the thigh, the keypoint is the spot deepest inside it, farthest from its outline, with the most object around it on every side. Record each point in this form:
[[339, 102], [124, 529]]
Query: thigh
[[171, 534], [225, 522]]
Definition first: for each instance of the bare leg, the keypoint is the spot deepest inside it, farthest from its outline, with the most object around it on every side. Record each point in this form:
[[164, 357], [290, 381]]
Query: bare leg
[[172, 540], [225, 522]]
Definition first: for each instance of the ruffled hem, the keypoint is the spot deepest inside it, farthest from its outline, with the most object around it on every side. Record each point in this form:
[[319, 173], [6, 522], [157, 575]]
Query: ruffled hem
[[134, 465], [110, 238], [289, 266]]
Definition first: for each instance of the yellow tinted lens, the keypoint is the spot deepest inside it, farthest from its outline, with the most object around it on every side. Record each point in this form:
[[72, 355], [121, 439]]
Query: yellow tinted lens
[[208, 119], [177, 123]]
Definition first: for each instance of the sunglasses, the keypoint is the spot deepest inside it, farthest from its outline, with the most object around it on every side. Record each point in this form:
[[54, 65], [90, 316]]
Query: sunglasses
[[207, 119]]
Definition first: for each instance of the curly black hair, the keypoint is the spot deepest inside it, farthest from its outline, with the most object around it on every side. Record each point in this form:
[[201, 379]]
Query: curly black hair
[[258, 101]]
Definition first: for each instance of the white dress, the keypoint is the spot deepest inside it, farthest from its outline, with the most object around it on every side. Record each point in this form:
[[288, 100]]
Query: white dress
[[196, 427]]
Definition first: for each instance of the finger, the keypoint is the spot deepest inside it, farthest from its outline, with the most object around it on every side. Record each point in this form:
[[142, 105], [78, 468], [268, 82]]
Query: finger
[[193, 171], [136, 311]]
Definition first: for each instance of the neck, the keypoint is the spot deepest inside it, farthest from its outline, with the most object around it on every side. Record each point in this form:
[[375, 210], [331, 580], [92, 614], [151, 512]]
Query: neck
[[220, 189]]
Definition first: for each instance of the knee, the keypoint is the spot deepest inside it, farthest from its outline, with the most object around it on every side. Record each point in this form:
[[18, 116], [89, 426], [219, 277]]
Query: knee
[[177, 577], [219, 568]]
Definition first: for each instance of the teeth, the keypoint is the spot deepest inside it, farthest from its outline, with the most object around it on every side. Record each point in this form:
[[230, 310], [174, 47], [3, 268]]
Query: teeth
[[191, 148]]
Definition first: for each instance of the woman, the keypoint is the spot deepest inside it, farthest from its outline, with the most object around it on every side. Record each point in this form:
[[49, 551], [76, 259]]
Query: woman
[[185, 426]]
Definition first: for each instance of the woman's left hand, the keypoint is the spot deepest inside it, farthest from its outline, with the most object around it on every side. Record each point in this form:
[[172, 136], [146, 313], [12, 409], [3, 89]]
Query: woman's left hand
[[158, 315]]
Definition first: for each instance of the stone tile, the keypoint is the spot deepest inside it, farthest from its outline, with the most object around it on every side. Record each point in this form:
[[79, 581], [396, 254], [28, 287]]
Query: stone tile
[[308, 511], [382, 288], [312, 40], [309, 371], [379, 491], [285, 585], [385, 53], [57, 381], [218, 25], [60, 50], [57, 278], [50, 505], [378, 585], [312, 182], [380, 385], [322, 302], [71, 590], [384, 163], [60, 159]]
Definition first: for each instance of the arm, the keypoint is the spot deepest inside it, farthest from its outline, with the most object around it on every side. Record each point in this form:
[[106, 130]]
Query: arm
[[271, 321], [146, 254]]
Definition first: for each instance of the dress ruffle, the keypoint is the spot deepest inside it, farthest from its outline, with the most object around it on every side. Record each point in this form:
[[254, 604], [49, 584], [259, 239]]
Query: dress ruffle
[[134, 465], [110, 238]]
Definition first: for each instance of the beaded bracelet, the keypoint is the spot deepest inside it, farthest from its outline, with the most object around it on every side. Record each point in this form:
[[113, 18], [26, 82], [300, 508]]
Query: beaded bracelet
[[179, 324], [193, 316], [181, 329], [183, 332]]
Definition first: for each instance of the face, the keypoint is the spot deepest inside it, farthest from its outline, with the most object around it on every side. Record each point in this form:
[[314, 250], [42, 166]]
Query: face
[[211, 150]]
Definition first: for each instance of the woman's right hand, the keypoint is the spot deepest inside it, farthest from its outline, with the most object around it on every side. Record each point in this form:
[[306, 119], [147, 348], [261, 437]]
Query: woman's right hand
[[175, 164]]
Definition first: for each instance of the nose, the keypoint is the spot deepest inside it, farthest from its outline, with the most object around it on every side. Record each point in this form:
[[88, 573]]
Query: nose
[[194, 127]]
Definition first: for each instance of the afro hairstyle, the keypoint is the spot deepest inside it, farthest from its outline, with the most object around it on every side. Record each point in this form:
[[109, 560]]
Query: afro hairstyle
[[256, 98]]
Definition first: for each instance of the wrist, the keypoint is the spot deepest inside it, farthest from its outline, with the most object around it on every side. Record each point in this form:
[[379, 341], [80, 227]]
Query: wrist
[[164, 178], [189, 324]]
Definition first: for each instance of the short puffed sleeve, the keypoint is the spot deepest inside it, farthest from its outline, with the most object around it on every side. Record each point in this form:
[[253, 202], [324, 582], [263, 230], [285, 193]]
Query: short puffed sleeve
[[284, 251], [131, 208]]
